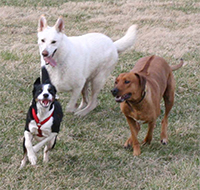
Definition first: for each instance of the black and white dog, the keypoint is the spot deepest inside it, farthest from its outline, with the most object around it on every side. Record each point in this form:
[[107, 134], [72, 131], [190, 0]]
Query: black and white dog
[[43, 120]]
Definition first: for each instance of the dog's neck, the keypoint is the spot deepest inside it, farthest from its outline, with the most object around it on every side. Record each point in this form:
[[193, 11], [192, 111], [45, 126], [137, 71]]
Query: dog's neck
[[43, 113], [136, 103]]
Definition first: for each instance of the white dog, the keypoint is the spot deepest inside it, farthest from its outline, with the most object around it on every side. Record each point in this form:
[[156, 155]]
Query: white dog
[[75, 62]]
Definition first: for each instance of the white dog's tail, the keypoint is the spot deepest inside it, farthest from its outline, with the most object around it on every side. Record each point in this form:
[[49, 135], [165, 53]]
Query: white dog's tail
[[128, 40]]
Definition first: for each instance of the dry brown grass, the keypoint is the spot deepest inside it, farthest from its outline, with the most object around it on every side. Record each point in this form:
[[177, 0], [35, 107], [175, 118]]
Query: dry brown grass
[[89, 153]]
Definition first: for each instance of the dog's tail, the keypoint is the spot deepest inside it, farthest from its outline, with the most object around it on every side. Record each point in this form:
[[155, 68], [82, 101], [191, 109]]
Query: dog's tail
[[175, 67], [128, 40], [45, 76]]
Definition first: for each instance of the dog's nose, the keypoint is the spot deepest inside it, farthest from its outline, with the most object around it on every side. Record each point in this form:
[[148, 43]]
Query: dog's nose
[[45, 95], [114, 91], [45, 53]]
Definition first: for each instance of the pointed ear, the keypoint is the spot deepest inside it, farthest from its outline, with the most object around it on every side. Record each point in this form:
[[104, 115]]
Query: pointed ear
[[42, 24], [37, 81], [59, 26], [142, 81], [45, 76]]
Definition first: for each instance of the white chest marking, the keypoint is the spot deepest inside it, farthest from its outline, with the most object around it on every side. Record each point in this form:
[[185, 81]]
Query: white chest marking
[[139, 121], [45, 128]]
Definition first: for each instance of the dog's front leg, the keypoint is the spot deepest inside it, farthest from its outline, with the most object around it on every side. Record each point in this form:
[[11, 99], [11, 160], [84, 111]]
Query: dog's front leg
[[38, 146], [134, 127], [29, 147]]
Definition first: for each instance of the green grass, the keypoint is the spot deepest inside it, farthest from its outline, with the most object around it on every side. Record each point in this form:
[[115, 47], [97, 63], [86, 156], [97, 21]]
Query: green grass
[[89, 152]]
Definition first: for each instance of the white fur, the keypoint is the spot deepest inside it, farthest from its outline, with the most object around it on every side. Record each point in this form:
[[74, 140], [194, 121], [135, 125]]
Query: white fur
[[80, 60]]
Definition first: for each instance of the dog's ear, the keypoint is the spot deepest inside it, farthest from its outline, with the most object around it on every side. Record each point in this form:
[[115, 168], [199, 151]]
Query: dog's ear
[[146, 66], [42, 24], [142, 81], [37, 81], [45, 76], [59, 26]]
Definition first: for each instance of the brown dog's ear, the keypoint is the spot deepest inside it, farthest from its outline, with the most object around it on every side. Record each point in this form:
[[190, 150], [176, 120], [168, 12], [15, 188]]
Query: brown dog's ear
[[146, 66], [59, 26], [142, 81], [42, 24]]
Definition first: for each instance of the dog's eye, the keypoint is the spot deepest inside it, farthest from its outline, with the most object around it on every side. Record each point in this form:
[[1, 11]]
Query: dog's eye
[[115, 82], [53, 42], [43, 40], [126, 81]]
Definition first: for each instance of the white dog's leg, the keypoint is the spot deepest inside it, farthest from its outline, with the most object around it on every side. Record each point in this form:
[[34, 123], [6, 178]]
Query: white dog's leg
[[96, 85], [47, 148], [38, 146], [71, 107], [85, 97], [29, 147]]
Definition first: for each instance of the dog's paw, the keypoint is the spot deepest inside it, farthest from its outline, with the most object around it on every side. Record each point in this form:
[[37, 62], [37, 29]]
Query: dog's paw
[[70, 109], [164, 141], [128, 143], [146, 141], [136, 150], [32, 159], [81, 113]]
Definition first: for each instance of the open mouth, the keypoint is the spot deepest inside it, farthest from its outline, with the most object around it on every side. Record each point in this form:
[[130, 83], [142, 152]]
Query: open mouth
[[50, 60], [120, 99], [45, 103]]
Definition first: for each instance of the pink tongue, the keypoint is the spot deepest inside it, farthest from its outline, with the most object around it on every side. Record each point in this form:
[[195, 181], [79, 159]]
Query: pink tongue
[[50, 60], [45, 102]]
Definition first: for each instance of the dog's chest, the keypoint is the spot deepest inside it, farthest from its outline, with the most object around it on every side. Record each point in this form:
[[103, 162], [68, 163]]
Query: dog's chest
[[45, 128], [60, 78], [138, 117]]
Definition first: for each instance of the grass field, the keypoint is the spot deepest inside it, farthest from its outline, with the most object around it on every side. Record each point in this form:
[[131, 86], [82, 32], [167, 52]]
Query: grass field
[[89, 152]]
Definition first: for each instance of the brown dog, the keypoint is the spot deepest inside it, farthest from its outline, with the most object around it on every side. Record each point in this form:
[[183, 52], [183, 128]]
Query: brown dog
[[140, 92]]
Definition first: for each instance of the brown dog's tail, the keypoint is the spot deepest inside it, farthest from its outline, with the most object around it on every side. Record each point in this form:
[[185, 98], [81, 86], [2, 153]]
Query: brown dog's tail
[[175, 67]]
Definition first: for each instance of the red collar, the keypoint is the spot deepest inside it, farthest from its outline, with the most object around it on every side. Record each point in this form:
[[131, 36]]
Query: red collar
[[40, 123]]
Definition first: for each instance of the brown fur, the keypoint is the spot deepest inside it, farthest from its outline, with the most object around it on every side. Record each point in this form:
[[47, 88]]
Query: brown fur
[[140, 92]]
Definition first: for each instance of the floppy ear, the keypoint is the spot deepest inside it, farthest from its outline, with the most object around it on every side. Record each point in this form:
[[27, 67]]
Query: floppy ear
[[42, 24], [142, 81], [59, 26], [37, 81]]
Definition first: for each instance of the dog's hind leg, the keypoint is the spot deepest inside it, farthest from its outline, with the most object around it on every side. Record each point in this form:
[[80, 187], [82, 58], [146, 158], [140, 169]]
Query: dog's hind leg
[[149, 135], [85, 95], [169, 101], [50, 145], [23, 162], [96, 84]]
